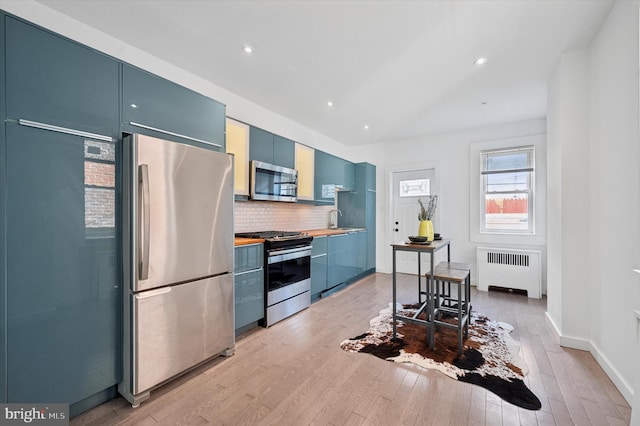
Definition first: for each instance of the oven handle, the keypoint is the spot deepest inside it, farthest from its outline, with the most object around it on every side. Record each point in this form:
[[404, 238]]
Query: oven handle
[[291, 254]]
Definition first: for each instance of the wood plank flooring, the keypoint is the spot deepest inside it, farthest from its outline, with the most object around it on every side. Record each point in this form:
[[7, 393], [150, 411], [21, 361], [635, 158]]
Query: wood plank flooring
[[295, 373]]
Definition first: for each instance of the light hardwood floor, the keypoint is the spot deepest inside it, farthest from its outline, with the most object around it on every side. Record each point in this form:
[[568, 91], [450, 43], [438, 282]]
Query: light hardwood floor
[[294, 373]]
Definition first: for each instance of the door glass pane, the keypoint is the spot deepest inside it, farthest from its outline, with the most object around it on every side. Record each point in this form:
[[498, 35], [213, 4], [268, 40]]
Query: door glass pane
[[414, 188]]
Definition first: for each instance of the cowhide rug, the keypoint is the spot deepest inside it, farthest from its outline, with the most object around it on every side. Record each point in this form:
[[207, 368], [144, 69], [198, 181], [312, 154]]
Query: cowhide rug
[[490, 356]]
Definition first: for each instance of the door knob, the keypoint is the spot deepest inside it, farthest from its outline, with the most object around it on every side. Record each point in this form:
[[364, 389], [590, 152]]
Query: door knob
[[397, 223], [396, 229]]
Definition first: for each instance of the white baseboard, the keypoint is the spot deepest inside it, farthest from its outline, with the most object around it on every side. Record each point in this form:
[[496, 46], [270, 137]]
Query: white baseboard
[[554, 327], [614, 375], [587, 345]]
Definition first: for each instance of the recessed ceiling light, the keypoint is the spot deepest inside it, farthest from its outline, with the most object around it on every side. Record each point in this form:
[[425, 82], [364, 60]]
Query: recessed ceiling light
[[480, 61], [366, 127], [330, 103], [247, 49]]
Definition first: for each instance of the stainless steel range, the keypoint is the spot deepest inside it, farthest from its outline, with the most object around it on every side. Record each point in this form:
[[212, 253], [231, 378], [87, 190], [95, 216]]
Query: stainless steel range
[[288, 272]]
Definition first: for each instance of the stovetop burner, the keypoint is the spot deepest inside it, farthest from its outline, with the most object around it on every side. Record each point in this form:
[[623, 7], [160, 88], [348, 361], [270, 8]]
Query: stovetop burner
[[269, 234]]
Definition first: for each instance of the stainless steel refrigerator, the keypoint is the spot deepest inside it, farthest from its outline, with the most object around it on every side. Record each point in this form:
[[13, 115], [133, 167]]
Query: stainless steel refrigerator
[[178, 261]]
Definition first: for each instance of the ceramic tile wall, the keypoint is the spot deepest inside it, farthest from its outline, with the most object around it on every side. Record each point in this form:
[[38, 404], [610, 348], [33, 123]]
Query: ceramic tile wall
[[273, 216]]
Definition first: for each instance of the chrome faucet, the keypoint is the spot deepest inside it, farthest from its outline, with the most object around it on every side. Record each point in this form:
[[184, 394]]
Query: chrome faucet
[[334, 224]]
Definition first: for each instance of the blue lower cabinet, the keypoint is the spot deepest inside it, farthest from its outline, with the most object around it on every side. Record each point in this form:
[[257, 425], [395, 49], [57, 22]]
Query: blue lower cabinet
[[342, 264], [249, 285], [319, 259], [63, 281], [249, 297], [361, 251]]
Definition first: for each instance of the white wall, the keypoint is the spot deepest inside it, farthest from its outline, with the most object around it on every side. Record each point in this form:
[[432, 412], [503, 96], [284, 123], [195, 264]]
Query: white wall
[[593, 127], [450, 153], [569, 187], [615, 245]]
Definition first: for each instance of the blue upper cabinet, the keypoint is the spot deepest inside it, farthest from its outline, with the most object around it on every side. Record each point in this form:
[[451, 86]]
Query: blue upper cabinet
[[284, 152], [160, 108], [331, 172], [260, 145], [269, 148], [57, 82]]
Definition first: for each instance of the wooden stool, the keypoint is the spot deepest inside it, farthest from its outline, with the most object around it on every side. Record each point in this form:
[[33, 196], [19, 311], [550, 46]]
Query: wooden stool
[[464, 267], [441, 304]]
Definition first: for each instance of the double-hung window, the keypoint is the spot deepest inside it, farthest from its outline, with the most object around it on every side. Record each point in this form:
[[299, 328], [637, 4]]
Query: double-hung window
[[507, 190]]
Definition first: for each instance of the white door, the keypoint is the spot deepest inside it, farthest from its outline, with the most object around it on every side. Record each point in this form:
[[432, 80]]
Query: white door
[[407, 188]]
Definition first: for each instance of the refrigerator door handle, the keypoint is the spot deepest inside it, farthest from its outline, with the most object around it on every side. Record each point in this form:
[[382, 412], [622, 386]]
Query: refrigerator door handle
[[143, 198], [152, 293]]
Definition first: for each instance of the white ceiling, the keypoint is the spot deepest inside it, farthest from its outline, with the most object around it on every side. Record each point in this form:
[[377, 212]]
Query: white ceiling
[[405, 68]]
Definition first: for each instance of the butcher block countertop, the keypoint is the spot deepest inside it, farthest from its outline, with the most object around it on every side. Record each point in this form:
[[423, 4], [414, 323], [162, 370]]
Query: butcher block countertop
[[323, 232], [312, 232], [245, 241]]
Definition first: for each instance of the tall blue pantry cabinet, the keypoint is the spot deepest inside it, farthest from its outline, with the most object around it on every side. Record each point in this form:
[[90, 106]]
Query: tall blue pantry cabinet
[[64, 110], [61, 264]]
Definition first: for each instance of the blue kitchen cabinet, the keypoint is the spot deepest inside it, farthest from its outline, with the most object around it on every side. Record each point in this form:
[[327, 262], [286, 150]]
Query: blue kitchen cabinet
[[61, 287], [284, 152], [56, 82], [361, 251], [63, 282], [260, 145], [157, 107], [331, 172], [365, 208], [371, 232], [359, 209], [269, 148], [342, 260], [249, 285], [3, 263], [319, 259]]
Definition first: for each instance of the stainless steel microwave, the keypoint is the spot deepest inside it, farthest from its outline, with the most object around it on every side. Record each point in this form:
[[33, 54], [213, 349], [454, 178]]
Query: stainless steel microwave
[[273, 183]]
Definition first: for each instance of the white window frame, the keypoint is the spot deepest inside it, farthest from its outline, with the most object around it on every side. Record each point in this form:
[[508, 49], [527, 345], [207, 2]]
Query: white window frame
[[529, 191], [534, 134]]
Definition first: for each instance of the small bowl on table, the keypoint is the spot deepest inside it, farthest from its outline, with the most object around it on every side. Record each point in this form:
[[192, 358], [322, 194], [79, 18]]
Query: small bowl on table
[[418, 239]]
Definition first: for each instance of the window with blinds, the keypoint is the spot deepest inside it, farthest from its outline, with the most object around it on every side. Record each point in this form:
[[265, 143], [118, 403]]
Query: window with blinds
[[507, 190]]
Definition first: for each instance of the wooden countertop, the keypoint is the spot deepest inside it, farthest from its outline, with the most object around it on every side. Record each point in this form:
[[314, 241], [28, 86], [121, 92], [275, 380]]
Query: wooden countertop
[[312, 232], [246, 241], [327, 231]]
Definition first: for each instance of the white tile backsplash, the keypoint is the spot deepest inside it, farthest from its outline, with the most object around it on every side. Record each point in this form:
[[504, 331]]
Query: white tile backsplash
[[274, 216]]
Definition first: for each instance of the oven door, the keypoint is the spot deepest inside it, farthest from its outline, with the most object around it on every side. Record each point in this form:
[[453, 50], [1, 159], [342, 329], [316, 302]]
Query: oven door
[[273, 183], [288, 267]]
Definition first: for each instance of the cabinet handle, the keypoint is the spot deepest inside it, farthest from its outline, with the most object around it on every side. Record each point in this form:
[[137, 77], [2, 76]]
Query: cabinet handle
[[166, 132], [318, 255], [143, 197], [237, 274], [66, 130]]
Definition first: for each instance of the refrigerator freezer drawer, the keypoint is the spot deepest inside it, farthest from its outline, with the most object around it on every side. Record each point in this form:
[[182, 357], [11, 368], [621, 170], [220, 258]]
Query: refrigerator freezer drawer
[[178, 327]]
